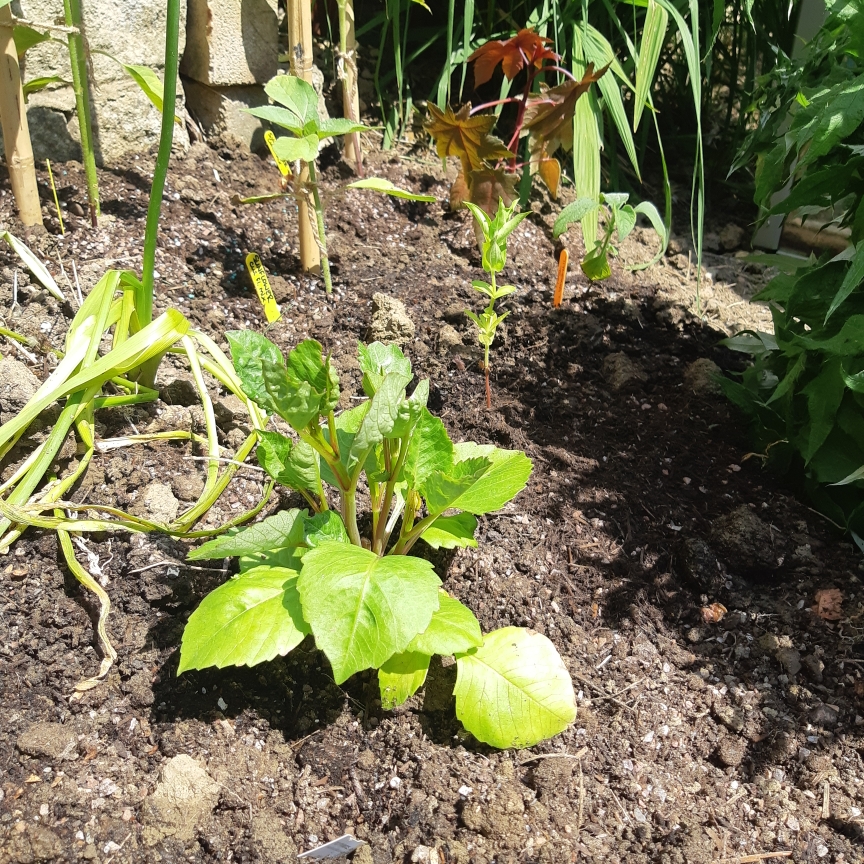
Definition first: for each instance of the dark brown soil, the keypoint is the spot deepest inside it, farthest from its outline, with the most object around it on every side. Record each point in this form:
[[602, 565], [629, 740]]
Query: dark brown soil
[[695, 741]]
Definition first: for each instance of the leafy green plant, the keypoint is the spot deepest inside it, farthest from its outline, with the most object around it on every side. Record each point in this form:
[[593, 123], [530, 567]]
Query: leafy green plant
[[297, 112], [366, 601], [620, 218], [493, 246], [804, 393]]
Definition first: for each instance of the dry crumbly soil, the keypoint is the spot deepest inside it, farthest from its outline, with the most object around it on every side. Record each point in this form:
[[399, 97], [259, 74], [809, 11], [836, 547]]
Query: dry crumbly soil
[[695, 741]]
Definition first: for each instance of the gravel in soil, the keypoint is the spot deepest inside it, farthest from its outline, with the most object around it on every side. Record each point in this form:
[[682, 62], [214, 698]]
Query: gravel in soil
[[719, 715]]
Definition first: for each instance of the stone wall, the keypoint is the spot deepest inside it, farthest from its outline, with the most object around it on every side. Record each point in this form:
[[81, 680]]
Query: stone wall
[[124, 120]]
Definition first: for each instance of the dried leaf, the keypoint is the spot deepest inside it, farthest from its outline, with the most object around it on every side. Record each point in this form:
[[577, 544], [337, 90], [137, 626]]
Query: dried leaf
[[526, 47], [549, 113], [487, 185], [459, 192], [550, 173], [829, 602], [459, 134], [714, 613]]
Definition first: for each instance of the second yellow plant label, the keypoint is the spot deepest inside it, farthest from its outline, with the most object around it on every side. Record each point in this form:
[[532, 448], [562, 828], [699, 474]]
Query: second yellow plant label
[[262, 287]]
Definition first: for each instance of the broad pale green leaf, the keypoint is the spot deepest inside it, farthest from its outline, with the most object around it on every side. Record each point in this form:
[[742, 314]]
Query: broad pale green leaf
[[385, 409], [292, 464], [442, 491], [376, 360], [452, 630], [295, 401], [653, 37], [596, 266], [323, 528], [335, 126], [574, 212], [514, 690], [364, 609], [279, 531], [379, 184], [298, 97], [307, 363], [248, 350], [26, 37], [290, 558], [625, 222], [291, 149], [401, 677], [277, 116], [410, 410], [451, 532], [501, 483], [150, 84], [430, 451], [34, 85], [250, 619]]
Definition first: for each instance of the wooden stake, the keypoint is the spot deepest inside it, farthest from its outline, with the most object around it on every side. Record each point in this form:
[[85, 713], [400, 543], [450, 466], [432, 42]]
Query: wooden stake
[[16, 132], [300, 51], [348, 77]]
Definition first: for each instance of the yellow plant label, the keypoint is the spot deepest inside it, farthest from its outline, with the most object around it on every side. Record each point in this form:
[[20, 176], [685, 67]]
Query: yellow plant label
[[270, 141], [262, 287]]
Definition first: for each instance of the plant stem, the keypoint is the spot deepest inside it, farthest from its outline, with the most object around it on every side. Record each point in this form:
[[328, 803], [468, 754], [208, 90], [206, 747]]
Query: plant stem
[[56, 202], [387, 499], [349, 515], [144, 304], [322, 237], [78, 61]]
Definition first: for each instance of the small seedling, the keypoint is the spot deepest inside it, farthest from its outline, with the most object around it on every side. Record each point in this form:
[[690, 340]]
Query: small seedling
[[494, 248], [364, 599], [620, 218], [297, 111]]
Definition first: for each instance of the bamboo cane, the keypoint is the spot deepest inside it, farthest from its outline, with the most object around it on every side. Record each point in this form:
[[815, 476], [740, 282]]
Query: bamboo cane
[[16, 133], [348, 76], [300, 50]]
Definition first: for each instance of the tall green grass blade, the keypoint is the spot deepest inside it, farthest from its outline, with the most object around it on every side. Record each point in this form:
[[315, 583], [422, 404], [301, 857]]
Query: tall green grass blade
[[653, 37], [467, 32], [444, 83], [587, 145]]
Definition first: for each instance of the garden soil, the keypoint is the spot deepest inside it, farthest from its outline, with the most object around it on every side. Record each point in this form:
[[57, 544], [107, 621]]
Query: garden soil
[[712, 623]]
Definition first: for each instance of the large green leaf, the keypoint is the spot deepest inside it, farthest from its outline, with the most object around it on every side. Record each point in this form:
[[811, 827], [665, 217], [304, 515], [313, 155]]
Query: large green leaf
[[653, 37], [26, 37], [295, 401], [279, 531], [452, 630], [401, 677], [248, 350], [443, 490], [251, 619], [576, 211], [430, 451], [307, 363], [386, 408], [335, 126], [291, 149], [376, 360], [298, 98], [364, 609], [514, 690], [325, 527], [451, 532], [501, 483], [292, 464]]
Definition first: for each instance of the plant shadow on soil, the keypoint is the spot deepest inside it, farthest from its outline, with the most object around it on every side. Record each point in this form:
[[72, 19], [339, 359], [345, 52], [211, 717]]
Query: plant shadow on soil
[[640, 512]]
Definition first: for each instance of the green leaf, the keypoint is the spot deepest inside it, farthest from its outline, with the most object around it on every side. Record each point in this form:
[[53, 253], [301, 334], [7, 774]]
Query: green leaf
[[401, 677], [281, 530], [298, 97], [379, 184], [291, 149], [625, 221], [501, 483], [34, 85], [442, 491], [291, 558], [376, 360], [646, 208], [292, 464], [34, 265], [248, 350], [385, 409], [150, 84], [410, 410], [574, 212], [452, 630], [596, 266], [364, 609], [451, 532], [334, 126], [430, 451], [347, 425], [325, 527], [514, 691], [824, 394], [278, 117], [26, 37], [307, 364], [653, 37], [250, 619], [853, 278]]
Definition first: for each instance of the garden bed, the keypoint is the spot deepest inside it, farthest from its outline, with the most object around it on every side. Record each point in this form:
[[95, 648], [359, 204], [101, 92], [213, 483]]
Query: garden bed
[[695, 741]]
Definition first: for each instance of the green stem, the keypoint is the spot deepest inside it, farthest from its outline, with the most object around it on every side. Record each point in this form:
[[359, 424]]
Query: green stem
[[322, 237], [387, 500], [78, 61], [144, 303], [349, 515], [407, 540]]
